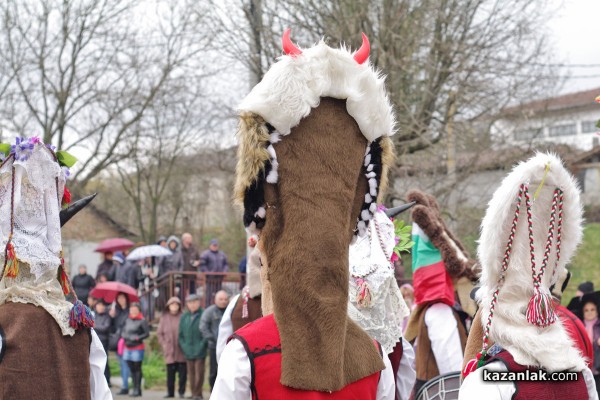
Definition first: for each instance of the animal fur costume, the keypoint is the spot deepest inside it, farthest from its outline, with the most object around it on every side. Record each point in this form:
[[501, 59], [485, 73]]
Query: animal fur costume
[[313, 158], [441, 269], [522, 255], [459, 270], [47, 350]]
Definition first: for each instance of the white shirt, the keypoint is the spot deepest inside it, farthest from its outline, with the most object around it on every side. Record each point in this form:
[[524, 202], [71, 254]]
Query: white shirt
[[406, 377], [234, 376], [226, 326], [445, 340], [474, 388], [98, 386]]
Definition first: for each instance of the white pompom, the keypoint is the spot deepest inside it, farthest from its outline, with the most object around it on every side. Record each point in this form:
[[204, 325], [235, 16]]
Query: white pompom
[[261, 213], [274, 137], [367, 160], [368, 198]]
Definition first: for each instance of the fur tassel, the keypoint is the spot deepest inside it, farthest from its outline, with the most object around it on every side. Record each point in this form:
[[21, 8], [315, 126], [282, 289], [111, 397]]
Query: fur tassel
[[12, 265], [540, 311], [363, 297], [80, 316]]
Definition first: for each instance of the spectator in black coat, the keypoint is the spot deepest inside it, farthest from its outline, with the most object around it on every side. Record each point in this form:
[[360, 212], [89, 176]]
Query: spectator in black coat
[[83, 283], [107, 267], [103, 326]]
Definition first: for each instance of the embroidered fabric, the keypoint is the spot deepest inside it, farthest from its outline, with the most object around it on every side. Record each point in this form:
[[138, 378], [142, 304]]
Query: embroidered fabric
[[36, 237], [44, 292], [382, 320]]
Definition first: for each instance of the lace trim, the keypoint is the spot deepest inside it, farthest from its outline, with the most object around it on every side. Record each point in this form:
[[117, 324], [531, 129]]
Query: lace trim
[[383, 319], [44, 292]]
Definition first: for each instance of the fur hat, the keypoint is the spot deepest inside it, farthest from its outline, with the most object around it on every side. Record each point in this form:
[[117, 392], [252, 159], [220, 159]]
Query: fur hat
[[522, 256], [312, 160]]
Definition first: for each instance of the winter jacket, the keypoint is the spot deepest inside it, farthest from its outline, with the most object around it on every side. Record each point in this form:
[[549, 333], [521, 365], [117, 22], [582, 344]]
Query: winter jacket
[[129, 274], [174, 262], [107, 268], [189, 254], [168, 337], [103, 325], [135, 331], [82, 284], [120, 318], [191, 340], [213, 261], [209, 324]]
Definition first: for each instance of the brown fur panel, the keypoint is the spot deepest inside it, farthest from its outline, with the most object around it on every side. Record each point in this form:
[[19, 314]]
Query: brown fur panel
[[252, 153], [306, 238], [388, 157], [39, 362], [475, 339]]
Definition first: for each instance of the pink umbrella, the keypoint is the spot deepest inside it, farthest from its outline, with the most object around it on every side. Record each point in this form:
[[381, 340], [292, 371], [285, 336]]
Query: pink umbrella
[[115, 244], [108, 291]]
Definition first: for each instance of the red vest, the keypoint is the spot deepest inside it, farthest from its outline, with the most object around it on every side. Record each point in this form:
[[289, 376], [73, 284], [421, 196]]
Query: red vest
[[263, 346], [542, 390], [576, 331]]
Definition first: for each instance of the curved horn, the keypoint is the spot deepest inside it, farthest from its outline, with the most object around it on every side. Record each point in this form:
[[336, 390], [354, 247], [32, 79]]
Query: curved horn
[[392, 212], [289, 48], [362, 54], [67, 213]]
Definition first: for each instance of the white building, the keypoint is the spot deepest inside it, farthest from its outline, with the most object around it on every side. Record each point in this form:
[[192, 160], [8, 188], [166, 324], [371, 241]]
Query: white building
[[569, 119]]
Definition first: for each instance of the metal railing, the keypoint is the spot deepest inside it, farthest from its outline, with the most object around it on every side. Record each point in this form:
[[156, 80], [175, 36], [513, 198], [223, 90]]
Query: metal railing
[[154, 297]]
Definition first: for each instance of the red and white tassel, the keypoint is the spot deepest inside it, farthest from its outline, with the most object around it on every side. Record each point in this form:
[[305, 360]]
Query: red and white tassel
[[364, 297], [64, 280], [12, 264], [540, 311]]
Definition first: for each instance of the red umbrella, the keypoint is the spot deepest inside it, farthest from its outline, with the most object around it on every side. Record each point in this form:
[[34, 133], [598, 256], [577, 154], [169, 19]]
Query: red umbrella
[[115, 244], [108, 291]]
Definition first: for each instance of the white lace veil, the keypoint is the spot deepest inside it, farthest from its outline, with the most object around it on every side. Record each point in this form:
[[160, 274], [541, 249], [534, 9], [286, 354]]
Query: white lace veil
[[38, 189], [370, 262]]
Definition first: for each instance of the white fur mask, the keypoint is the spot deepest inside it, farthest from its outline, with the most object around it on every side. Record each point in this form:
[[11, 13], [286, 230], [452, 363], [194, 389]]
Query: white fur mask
[[549, 347]]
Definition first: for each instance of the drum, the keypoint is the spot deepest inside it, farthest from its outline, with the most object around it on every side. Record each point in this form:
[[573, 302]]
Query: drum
[[441, 387]]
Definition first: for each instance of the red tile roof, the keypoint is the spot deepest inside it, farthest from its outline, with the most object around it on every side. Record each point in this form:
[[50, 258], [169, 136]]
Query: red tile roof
[[571, 100]]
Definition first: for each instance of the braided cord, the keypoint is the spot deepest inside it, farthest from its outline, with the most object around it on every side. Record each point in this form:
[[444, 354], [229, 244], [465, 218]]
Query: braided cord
[[504, 267], [12, 217]]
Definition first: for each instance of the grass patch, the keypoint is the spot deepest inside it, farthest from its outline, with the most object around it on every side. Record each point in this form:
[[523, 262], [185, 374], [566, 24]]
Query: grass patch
[[585, 266], [154, 368]]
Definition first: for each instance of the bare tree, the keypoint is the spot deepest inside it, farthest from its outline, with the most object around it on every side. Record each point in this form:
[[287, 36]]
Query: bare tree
[[86, 73], [469, 57]]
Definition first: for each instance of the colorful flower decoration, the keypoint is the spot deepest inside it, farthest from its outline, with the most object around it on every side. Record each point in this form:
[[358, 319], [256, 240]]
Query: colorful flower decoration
[[23, 148], [66, 200]]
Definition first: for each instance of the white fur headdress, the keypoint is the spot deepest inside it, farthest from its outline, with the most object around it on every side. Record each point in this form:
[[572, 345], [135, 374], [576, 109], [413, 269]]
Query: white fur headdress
[[536, 205], [288, 92]]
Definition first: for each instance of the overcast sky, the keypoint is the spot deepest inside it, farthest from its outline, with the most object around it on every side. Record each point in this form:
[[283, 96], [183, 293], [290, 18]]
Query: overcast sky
[[575, 31]]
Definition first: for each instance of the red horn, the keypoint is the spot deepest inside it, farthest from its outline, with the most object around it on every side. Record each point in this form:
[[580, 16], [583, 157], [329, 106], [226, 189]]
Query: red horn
[[362, 54], [289, 48]]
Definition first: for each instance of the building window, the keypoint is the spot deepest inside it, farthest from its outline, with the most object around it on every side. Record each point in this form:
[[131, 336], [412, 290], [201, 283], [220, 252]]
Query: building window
[[563, 130], [588, 127], [528, 134]]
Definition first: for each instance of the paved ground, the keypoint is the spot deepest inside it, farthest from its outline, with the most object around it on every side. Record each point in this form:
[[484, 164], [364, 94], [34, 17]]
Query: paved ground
[[146, 394]]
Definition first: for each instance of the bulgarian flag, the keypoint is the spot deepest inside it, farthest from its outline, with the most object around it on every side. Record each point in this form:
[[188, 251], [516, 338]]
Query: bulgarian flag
[[430, 278]]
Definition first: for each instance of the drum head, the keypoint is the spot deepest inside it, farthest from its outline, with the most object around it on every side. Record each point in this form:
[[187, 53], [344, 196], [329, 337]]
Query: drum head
[[441, 387]]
